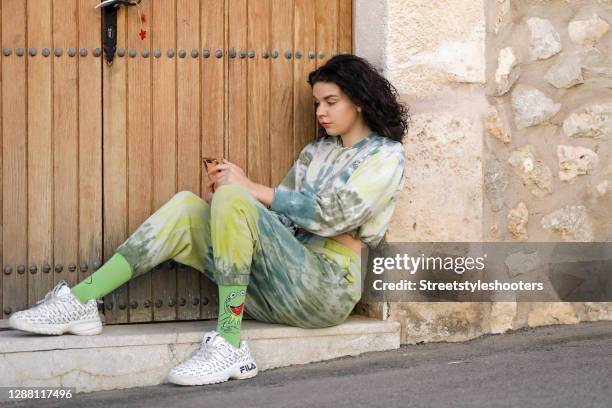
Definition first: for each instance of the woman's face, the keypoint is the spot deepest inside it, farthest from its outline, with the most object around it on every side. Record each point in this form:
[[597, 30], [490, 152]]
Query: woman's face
[[335, 111]]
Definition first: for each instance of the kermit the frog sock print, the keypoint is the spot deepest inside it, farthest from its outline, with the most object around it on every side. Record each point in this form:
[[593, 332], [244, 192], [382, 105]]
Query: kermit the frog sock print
[[231, 305]]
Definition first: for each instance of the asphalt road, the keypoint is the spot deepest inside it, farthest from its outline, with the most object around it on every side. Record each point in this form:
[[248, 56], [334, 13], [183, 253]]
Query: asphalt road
[[553, 366]]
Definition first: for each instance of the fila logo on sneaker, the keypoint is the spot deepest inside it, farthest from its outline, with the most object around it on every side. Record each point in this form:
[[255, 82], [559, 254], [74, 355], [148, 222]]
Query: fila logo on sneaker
[[247, 368]]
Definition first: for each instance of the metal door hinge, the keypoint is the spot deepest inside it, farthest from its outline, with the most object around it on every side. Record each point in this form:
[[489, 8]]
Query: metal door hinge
[[109, 25]]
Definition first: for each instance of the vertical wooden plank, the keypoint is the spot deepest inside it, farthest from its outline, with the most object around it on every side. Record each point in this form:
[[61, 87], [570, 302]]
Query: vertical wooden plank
[[327, 28], [281, 90], [140, 148], [188, 125], [115, 167], [1, 177], [14, 166], [163, 28], [213, 80], [65, 142], [345, 27], [40, 157], [304, 39], [90, 140], [327, 32], [258, 85], [237, 84], [212, 97]]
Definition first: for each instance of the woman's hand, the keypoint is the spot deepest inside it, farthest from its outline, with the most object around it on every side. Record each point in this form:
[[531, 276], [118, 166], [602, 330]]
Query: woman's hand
[[229, 173]]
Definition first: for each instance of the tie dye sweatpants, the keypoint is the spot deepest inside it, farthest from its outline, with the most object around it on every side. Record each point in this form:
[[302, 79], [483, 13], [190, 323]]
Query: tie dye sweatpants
[[303, 280]]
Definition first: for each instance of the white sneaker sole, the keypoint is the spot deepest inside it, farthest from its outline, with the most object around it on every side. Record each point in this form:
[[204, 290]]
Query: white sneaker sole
[[81, 327], [230, 373]]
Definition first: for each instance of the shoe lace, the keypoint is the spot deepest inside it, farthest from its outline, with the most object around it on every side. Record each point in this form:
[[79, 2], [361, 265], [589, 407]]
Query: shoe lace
[[203, 344], [51, 301], [199, 353], [208, 351], [52, 294]]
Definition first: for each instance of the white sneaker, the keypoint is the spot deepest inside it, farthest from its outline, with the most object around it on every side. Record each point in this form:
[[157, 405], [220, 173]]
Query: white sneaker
[[215, 361], [59, 312]]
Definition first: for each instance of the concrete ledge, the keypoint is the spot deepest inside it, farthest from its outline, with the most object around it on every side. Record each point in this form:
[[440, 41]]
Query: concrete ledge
[[134, 355]]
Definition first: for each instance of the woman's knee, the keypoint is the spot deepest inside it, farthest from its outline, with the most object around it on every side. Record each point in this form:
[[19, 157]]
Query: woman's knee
[[232, 195], [191, 204], [188, 196], [230, 192]]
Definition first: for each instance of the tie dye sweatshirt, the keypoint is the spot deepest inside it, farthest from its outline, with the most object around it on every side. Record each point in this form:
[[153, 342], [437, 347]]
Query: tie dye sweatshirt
[[332, 189]]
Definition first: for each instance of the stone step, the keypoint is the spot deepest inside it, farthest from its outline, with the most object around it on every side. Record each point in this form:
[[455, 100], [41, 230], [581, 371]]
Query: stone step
[[134, 355]]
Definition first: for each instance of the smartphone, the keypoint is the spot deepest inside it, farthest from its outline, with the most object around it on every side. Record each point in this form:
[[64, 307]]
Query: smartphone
[[210, 163]]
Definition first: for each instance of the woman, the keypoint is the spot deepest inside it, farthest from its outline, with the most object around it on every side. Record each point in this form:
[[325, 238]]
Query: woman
[[296, 247]]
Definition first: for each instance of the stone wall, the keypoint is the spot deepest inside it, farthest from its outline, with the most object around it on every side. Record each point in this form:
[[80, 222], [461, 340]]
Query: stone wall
[[510, 139]]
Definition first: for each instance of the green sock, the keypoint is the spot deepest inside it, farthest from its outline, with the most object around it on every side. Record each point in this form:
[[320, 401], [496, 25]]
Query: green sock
[[114, 273], [231, 304]]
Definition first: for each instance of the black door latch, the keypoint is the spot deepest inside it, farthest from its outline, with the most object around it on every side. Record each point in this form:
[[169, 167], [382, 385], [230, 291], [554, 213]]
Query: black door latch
[[109, 25]]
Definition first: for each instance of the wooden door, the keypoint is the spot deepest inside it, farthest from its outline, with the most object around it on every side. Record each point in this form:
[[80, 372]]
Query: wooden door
[[51, 123], [89, 150]]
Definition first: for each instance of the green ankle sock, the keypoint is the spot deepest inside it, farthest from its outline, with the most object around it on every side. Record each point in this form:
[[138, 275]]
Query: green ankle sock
[[114, 273], [231, 305]]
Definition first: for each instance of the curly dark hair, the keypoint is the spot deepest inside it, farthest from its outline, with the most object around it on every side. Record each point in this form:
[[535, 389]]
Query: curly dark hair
[[379, 100]]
